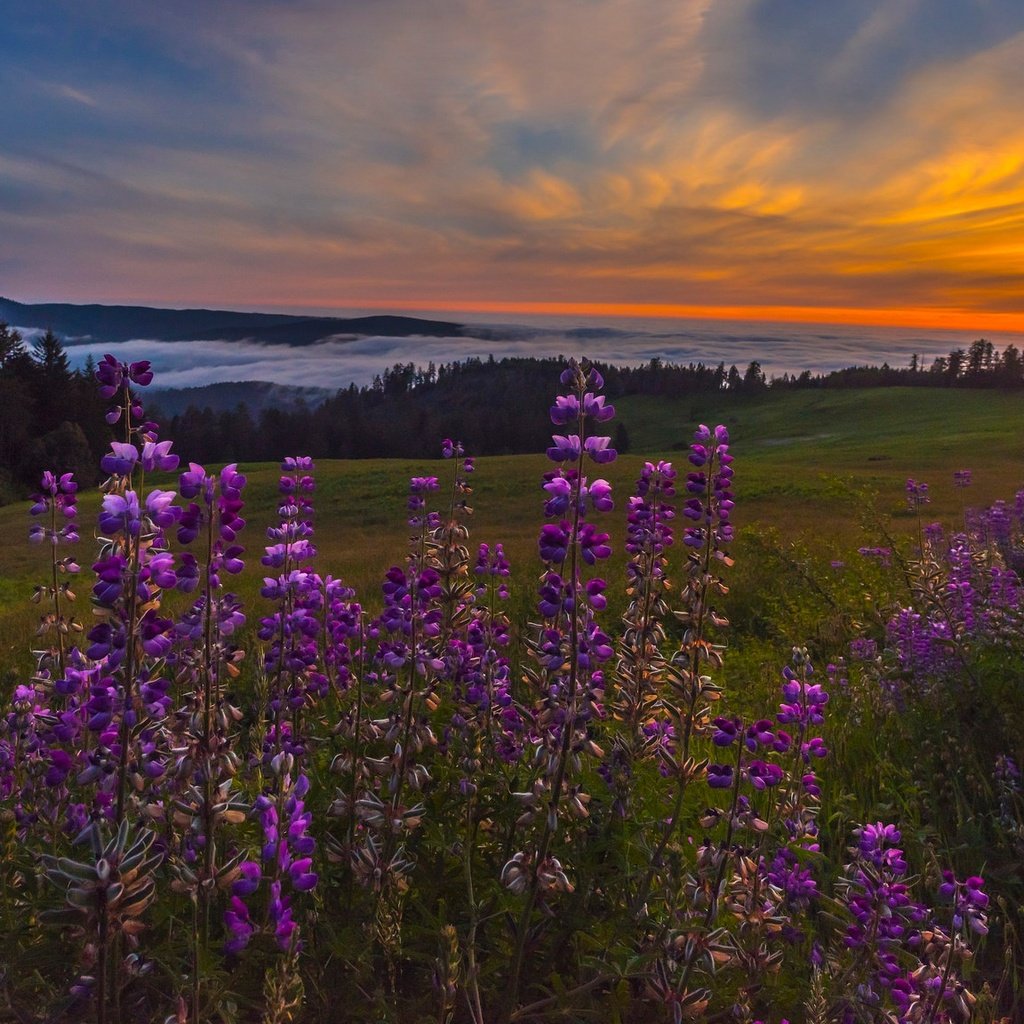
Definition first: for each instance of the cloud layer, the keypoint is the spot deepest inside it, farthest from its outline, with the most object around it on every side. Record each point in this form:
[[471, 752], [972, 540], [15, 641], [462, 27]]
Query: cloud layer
[[338, 363], [465, 153]]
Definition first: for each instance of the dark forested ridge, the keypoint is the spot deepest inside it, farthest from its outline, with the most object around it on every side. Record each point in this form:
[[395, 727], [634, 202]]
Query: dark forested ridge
[[51, 416], [123, 323]]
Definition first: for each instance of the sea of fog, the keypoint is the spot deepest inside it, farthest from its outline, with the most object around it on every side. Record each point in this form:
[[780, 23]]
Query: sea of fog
[[337, 362]]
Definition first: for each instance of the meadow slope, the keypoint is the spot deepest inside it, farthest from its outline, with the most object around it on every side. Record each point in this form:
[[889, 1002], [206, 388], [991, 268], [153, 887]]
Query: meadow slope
[[811, 465]]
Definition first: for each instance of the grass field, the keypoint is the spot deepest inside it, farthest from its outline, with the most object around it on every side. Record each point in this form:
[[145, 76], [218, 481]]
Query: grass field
[[818, 474], [808, 465]]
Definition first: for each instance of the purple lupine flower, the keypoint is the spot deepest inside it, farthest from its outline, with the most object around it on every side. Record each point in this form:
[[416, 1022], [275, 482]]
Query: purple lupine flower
[[560, 489], [595, 594], [877, 844], [599, 493], [712, 501], [564, 449], [880, 554], [599, 450], [303, 879], [160, 510], [761, 774], [113, 374], [554, 542], [120, 514], [594, 407], [565, 410], [760, 734], [796, 882], [570, 646], [726, 731], [969, 902], [120, 460], [593, 544], [917, 494], [249, 876], [57, 496], [157, 457], [239, 926]]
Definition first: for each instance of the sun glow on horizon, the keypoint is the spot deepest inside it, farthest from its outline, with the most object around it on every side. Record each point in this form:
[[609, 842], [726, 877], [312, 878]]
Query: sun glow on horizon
[[941, 319]]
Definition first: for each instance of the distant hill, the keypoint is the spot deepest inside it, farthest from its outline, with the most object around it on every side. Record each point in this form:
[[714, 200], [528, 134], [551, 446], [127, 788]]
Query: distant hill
[[122, 323], [257, 395]]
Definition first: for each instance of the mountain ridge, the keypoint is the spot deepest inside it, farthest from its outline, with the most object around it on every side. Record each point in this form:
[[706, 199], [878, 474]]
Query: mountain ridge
[[96, 322]]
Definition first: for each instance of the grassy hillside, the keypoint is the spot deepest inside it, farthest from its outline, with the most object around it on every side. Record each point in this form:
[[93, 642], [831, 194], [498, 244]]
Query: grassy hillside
[[927, 735], [807, 464]]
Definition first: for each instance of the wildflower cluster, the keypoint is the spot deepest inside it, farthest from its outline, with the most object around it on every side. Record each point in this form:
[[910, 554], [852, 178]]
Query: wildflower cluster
[[966, 594], [556, 818], [898, 957]]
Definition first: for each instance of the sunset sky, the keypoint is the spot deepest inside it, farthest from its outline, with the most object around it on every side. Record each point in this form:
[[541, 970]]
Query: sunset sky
[[857, 161]]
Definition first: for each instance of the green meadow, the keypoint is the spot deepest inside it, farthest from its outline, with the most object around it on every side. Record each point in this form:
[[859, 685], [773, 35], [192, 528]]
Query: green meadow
[[817, 471], [818, 474]]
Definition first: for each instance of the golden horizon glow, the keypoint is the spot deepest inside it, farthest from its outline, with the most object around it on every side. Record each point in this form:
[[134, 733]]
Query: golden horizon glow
[[946, 319]]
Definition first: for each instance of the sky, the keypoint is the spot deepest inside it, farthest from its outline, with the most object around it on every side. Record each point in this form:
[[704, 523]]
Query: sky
[[849, 161]]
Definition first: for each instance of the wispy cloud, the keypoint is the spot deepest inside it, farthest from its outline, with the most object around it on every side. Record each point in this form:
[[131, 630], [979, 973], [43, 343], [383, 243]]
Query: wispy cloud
[[854, 154], [75, 95]]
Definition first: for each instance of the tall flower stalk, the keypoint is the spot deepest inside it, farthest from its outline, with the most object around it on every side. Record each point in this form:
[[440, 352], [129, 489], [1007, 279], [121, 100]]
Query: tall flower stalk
[[569, 649], [206, 763], [642, 666], [134, 566], [56, 500], [690, 690], [291, 632]]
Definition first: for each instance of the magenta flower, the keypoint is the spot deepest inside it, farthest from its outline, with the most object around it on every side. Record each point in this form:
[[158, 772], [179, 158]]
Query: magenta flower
[[560, 490], [120, 514], [594, 407], [565, 410], [554, 542], [160, 509], [121, 459], [599, 451], [156, 456], [600, 495], [564, 449], [112, 375]]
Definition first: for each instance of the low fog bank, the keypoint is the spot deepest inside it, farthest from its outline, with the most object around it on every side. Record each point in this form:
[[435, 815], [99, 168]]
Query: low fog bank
[[337, 362]]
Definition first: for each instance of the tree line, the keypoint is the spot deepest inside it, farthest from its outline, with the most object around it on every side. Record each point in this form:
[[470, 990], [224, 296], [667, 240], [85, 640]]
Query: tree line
[[499, 405], [50, 415]]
